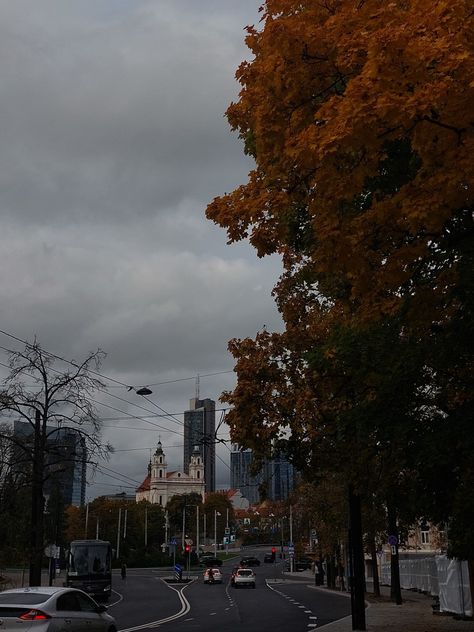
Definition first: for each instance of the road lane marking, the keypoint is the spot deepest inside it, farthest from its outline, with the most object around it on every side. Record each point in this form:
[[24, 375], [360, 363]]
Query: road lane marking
[[185, 608]]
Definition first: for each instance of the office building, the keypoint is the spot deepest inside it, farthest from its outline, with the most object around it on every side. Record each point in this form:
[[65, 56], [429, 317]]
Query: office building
[[65, 461], [277, 476], [199, 430], [241, 477]]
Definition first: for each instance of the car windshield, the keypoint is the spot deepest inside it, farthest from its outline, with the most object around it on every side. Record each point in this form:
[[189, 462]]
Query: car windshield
[[24, 598]]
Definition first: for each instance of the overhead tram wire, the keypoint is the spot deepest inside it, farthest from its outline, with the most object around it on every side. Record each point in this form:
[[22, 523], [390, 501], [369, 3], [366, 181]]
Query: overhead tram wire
[[119, 398], [128, 417], [106, 377], [144, 419]]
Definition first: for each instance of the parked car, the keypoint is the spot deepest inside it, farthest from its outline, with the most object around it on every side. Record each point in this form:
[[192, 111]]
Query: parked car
[[210, 561], [250, 561], [216, 575], [269, 558], [301, 564], [51, 608], [244, 577]]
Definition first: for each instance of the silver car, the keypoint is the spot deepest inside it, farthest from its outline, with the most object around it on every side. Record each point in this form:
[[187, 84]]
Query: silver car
[[52, 609]]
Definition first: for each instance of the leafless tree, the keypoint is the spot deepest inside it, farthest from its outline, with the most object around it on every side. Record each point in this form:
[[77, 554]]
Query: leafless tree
[[48, 393]]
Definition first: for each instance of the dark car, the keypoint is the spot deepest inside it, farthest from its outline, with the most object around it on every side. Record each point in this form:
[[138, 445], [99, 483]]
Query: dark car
[[301, 564], [269, 558], [210, 561], [249, 561]]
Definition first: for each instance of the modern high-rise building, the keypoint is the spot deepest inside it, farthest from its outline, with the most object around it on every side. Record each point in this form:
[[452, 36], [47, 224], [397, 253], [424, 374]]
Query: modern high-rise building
[[199, 431], [241, 477], [277, 476], [65, 461]]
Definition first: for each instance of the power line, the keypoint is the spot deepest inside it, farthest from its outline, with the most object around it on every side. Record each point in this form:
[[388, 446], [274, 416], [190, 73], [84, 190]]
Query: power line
[[106, 377]]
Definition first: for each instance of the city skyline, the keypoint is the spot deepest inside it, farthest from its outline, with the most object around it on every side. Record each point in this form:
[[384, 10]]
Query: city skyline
[[115, 143]]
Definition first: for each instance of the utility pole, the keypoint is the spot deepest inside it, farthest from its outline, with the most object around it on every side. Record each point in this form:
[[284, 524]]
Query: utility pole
[[291, 538], [197, 530], [87, 521], [118, 533], [184, 528], [146, 527]]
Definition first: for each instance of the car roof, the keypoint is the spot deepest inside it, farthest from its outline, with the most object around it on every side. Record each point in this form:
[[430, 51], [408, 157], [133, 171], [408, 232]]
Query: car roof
[[44, 590]]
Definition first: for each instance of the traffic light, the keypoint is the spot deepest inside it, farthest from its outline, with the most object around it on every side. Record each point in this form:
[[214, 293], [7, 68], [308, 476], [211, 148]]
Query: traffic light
[[273, 553], [187, 548]]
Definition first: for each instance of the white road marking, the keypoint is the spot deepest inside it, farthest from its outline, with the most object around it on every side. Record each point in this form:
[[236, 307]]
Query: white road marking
[[185, 608]]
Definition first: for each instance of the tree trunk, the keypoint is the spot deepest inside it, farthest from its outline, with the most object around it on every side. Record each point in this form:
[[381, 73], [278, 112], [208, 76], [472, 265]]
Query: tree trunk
[[375, 567], [357, 567], [37, 501], [395, 589]]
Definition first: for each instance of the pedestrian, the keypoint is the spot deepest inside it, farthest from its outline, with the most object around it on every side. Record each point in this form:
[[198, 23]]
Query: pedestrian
[[123, 570]]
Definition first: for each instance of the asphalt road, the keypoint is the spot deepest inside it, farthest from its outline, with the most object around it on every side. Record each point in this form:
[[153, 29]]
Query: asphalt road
[[144, 601]]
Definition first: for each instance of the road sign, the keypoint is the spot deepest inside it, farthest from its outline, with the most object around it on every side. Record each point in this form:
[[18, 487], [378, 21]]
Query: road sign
[[291, 550], [313, 533], [173, 542], [392, 540], [227, 530], [226, 539], [52, 551]]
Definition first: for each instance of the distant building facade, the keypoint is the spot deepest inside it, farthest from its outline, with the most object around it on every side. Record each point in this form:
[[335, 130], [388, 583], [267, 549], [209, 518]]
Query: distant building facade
[[276, 479], [160, 485], [65, 461], [199, 430], [241, 477]]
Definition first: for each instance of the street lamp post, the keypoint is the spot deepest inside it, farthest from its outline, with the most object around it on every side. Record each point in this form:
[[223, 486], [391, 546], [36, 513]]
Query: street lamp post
[[216, 513]]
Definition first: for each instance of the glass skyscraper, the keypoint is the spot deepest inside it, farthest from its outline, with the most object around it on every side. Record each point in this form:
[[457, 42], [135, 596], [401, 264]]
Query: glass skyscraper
[[199, 431]]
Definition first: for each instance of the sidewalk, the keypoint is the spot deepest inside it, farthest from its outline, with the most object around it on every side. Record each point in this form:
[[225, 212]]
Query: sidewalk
[[382, 615]]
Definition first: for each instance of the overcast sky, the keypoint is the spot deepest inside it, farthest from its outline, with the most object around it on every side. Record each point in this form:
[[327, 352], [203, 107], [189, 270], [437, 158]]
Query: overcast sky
[[113, 141]]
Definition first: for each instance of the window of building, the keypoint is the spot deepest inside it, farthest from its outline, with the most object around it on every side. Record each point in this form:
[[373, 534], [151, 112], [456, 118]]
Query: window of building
[[161, 500], [161, 474], [161, 459], [198, 474], [425, 534]]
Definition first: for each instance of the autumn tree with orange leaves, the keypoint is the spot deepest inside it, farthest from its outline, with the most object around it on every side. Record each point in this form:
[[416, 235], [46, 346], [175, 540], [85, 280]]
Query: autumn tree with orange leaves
[[358, 114]]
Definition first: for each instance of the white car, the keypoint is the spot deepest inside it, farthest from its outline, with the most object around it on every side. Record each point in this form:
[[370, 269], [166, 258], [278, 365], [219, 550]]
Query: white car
[[244, 577], [52, 609], [216, 576]]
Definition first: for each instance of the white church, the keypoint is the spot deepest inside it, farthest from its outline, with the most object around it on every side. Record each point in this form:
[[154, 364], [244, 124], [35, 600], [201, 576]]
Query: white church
[[160, 485]]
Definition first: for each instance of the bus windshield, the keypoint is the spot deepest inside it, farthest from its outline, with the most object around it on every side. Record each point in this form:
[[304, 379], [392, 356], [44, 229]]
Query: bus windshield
[[89, 558]]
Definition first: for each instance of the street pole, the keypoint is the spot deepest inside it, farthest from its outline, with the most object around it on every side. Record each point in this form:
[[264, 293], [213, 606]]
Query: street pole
[[166, 528], [197, 529], [146, 527], [184, 527], [204, 528], [87, 521], [97, 529], [215, 532], [291, 538], [227, 530], [118, 533]]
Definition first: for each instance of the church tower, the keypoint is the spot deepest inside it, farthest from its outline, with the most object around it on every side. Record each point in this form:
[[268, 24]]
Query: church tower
[[158, 475], [196, 465]]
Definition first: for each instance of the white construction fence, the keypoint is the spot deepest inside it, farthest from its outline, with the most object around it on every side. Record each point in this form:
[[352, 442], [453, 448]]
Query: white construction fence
[[447, 579]]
